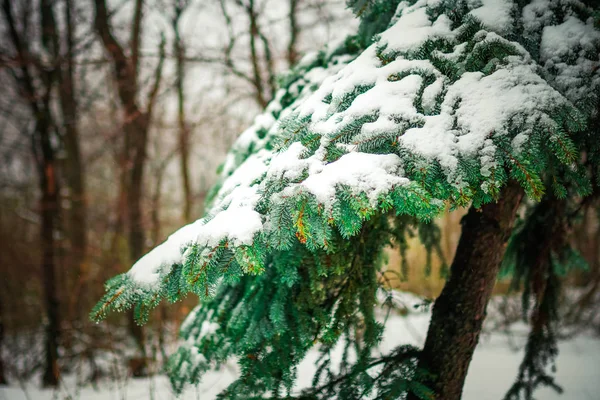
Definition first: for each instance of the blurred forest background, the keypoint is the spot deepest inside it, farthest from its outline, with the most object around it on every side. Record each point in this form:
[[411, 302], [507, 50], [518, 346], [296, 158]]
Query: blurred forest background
[[114, 118]]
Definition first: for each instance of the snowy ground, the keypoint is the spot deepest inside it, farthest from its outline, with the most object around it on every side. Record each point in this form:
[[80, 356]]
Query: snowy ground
[[492, 371]]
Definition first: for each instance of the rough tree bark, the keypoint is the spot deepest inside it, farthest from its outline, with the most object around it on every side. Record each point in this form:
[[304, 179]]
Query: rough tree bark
[[459, 311]]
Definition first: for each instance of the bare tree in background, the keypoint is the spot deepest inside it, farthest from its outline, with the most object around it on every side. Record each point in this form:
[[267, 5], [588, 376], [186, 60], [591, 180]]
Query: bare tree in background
[[136, 126], [62, 96], [262, 74], [36, 80], [258, 67]]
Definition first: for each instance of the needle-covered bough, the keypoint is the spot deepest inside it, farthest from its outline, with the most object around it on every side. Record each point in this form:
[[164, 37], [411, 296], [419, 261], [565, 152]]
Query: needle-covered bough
[[431, 104]]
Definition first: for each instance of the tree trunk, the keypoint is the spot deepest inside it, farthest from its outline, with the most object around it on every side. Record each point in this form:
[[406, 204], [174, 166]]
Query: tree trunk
[[74, 168], [257, 74], [292, 51], [459, 311], [184, 132], [3, 380], [49, 211], [138, 132]]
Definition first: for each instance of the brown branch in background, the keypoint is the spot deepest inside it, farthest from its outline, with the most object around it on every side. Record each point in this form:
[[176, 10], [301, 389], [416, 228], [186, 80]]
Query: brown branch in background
[[231, 44], [25, 81], [262, 76], [123, 69]]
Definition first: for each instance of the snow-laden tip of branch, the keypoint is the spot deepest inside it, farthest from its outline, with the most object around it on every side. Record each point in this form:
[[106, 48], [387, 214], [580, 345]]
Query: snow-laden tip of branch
[[236, 224]]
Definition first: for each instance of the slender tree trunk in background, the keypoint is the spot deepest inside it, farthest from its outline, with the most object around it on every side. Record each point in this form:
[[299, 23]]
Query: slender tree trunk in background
[[184, 132], [118, 229], [159, 174], [49, 210], [155, 211], [184, 145], [3, 380], [256, 70], [292, 51], [74, 168], [137, 130], [49, 187], [459, 311]]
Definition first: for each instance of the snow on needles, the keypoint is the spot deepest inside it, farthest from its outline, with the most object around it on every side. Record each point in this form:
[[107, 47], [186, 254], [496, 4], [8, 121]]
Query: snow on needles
[[495, 14], [570, 50], [393, 95], [372, 174], [486, 104]]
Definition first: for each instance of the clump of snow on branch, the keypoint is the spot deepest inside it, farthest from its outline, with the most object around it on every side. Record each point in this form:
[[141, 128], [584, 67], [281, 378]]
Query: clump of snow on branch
[[364, 173]]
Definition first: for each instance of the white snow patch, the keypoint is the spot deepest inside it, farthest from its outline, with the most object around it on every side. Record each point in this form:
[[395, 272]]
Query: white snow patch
[[494, 14], [566, 49], [561, 40], [237, 224], [413, 28], [288, 164], [486, 105], [431, 93], [368, 173], [536, 14]]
